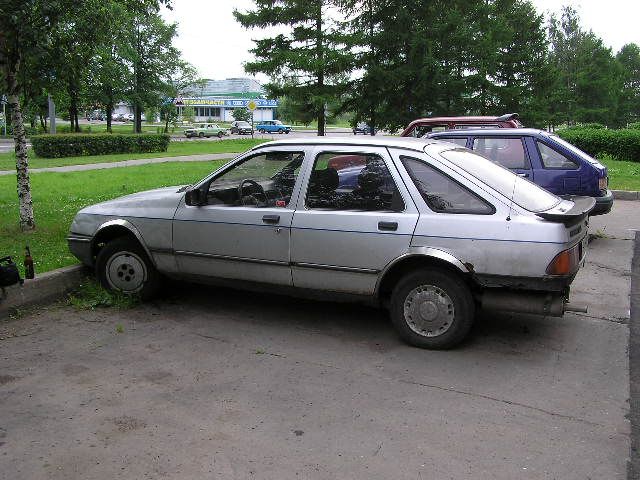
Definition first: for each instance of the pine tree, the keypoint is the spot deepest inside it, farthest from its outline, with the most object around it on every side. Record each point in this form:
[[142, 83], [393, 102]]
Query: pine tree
[[307, 62]]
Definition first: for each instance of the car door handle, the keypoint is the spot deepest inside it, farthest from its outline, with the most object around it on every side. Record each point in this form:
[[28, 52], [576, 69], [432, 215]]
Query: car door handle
[[523, 174], [392, 226], [271, 218]]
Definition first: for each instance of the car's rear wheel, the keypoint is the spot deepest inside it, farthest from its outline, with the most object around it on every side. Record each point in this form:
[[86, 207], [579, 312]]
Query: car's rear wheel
[[220, 134], [432, 309], [201, 134], [287, 132], [261, 130], [124, 266], [280, 131]]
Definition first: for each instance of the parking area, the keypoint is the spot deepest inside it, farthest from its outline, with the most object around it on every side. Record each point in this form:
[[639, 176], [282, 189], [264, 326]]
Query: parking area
[[220, 384]]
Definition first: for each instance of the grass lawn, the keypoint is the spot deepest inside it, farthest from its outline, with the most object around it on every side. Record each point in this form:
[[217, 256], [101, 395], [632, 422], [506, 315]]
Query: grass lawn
[[190, 147], [623, 175], [58, 196]]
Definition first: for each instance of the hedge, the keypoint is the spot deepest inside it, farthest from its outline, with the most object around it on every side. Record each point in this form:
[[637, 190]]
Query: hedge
[[621, 144], [74, 145]]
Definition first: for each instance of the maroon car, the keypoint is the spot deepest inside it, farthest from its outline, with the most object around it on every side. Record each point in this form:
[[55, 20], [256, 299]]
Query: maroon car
[[422, 126]]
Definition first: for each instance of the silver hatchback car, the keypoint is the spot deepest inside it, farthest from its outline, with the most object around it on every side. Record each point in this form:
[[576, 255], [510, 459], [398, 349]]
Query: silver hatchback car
[[425, 228]]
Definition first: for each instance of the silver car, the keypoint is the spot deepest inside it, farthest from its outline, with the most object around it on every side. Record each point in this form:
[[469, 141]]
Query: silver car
[[424, 228]]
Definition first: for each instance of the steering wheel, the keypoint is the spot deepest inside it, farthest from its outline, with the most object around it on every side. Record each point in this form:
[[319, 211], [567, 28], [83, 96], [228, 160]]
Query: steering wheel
[[248, 181]]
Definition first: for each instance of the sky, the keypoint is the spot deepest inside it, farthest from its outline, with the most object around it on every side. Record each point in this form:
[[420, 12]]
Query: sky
[[217, 45]]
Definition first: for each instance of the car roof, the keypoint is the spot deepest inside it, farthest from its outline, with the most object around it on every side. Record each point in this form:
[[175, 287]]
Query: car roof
[[498, 132], [417, 144]]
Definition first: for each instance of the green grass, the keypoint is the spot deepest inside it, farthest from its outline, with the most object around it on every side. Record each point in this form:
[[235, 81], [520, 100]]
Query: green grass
[[191, 147], [58, 196], [623, 175]]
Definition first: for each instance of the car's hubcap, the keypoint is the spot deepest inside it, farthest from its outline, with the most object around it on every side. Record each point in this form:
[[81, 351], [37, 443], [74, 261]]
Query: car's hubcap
[[429, 311], [126, 272]]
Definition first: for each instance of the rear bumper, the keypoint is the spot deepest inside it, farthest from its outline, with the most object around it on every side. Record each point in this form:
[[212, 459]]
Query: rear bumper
[[603, 204]]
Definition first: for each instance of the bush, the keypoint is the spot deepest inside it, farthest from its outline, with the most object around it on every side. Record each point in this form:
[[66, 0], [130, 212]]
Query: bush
[[55, 146], [634, 126], [587, 126], [621, 144]]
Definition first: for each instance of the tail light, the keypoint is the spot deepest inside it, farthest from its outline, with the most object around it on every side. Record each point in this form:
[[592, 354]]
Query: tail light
[[566, 262], [603, 183]]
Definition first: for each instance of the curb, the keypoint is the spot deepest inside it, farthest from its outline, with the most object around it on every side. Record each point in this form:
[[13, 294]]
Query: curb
[[633, 467], [625, 195], [45, 288]]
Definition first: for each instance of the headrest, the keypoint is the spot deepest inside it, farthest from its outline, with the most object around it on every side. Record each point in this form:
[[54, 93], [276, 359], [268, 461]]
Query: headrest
[[326, 179], [371, 177]]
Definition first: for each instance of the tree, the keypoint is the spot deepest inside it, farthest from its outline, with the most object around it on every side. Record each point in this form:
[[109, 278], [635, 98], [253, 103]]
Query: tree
[[241, 114], [152, 59], [24, 33], [308, 61], [629, 59], [183, 77], [587, 80]]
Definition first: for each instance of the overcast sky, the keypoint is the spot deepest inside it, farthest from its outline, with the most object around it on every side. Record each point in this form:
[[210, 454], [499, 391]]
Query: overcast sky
[[212, 41]]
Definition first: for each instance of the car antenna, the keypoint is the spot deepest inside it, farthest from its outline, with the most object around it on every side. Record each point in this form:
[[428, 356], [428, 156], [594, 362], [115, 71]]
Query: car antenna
[[513, 193]]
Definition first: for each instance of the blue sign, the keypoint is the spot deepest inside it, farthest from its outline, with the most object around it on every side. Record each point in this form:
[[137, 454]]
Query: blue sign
[[214, 102]]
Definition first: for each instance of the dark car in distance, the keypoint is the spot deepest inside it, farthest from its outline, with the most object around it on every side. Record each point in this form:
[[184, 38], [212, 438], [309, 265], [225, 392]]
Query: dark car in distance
[[364, 129], [241, 128], [542, 157], [422, 126]]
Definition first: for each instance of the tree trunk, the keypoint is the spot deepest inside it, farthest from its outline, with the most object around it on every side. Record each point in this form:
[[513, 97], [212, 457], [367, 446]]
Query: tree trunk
[[71, 129], [109, 111], [320, 73], [27, 221]]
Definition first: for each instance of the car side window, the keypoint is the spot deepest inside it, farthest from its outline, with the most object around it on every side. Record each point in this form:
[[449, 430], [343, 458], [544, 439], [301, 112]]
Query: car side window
[[462, 141], [508, 152], [352, 181], [263, 180], [554, 159], [442, 193]]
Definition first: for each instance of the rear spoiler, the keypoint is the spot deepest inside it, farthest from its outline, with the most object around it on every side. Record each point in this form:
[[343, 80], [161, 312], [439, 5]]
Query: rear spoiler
[[581, 208], [507, 117]]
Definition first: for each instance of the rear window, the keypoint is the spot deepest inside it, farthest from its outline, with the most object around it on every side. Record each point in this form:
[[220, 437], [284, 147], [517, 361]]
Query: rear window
[[524, 193]]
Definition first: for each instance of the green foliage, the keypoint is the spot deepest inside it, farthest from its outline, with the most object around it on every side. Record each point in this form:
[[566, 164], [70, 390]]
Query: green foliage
[[308, 61], [621, 144], [91, 295], [54, 146], [241, 114], [629, 59], [634, 126]]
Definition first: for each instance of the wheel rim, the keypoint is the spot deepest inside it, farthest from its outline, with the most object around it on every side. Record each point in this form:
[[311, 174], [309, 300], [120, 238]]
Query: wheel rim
[[126, 272], [429, 311]]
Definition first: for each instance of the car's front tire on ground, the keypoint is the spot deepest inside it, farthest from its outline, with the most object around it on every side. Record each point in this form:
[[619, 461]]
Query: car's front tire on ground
[[432, 308], [220, 134], [123, 265]]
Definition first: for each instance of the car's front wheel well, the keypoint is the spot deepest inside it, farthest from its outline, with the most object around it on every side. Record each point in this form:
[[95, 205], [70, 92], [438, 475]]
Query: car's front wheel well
[[107, 235], [412, 264]]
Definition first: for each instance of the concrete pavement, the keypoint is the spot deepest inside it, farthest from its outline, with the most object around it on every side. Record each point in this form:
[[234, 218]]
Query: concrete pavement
[[222, 384]]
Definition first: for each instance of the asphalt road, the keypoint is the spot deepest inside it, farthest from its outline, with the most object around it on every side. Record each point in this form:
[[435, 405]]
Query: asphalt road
[[221, 384]]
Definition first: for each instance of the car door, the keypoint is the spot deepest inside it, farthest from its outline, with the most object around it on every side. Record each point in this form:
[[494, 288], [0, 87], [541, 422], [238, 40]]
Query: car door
[[242, 235], [508, 151], [352, 219]]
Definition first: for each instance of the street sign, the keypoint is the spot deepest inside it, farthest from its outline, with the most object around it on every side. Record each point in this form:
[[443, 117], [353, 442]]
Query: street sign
[[252, 105]]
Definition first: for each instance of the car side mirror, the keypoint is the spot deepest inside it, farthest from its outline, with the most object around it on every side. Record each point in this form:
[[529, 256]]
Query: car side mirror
[[194, 197]]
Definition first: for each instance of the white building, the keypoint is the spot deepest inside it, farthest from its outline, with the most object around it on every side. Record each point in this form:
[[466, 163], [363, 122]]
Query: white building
[[217, 99]]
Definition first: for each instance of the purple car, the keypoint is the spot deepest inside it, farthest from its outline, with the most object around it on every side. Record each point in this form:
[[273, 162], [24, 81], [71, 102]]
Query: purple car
[[542, 157]]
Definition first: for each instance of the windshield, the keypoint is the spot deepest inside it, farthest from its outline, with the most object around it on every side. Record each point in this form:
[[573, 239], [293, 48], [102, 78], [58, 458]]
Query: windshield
[[524, 193]]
